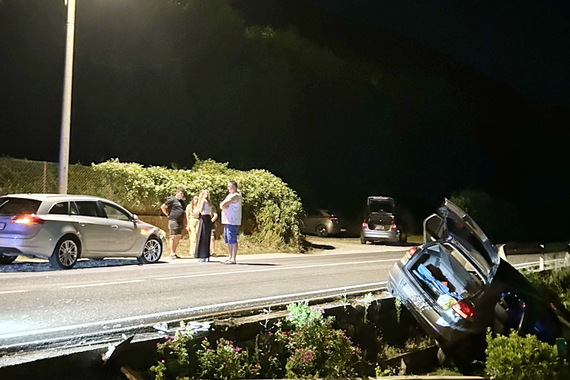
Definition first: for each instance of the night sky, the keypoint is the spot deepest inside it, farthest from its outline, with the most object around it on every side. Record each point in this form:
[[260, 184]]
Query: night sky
[[525, 43], [416, 100]]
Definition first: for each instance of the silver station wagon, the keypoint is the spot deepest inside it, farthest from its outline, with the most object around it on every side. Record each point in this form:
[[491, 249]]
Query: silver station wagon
[[64, 228]]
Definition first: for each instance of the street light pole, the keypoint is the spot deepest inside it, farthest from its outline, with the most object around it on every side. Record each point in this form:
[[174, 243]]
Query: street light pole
[[66, 108]]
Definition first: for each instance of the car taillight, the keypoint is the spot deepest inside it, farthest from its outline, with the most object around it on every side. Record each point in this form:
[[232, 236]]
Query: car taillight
[[27, 219], [364, 225], [333, 219], [464, 309], [410, 252], [393, 226]]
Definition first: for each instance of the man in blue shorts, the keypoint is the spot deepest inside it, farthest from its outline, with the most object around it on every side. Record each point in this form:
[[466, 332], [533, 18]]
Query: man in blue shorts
[[231, 219]]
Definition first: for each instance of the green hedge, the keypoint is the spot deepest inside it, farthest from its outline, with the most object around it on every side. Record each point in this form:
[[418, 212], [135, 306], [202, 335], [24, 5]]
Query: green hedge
[[270, 207], [517, 357]]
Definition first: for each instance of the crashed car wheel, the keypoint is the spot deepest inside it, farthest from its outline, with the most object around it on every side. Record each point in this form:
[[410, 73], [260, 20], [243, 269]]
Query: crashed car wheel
[[4, 259]]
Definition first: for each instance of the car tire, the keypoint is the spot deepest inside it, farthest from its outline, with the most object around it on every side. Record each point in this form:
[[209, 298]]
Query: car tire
[[7, 259], [152, 251], [321, 230], [66, 253], [362, 241]]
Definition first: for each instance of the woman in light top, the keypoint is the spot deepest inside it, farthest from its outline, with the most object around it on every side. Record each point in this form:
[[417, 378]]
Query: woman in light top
[[205, 230], [193, 218]]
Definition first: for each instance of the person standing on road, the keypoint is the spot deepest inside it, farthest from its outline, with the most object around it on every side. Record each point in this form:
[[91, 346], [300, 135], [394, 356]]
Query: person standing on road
[[205, 229], [231, 219], [173, 208], [213, 235], [193, 220]]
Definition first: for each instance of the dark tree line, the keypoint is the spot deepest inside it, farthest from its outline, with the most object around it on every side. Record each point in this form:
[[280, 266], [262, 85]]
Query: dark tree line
[[338, 109]]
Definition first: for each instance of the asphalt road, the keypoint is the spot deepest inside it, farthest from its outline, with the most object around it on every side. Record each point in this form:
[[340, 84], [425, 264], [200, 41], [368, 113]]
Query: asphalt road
[[41, 306]]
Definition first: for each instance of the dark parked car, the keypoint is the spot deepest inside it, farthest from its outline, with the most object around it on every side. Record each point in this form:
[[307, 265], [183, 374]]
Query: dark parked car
[[457, 286], [322, 222], [379, 224]]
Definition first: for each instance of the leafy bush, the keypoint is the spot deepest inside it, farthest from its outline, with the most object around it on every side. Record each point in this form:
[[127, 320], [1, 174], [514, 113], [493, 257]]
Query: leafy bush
[[270, 207], [515, 357], [554, 284], [177, 353], [226, 361], [305, 345], [316, 348]]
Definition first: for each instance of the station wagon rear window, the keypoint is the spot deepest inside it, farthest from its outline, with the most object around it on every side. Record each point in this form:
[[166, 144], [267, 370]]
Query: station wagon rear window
[[17, 206]]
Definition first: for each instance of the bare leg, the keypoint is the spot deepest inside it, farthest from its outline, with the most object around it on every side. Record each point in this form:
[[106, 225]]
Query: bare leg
[[174, 243], [232, 248]]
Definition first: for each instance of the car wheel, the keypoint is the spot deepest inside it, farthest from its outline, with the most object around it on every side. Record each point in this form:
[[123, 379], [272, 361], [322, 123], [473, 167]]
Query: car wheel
[[66, 253], [7, 259], [362, 241], [152, 251], [321, 230]]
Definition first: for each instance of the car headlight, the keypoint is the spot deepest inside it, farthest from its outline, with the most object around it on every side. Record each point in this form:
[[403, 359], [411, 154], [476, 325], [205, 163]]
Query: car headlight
[[145, 231]]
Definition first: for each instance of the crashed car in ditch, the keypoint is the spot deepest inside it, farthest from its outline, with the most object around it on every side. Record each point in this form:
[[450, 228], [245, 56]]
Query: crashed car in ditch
[[457, 286]]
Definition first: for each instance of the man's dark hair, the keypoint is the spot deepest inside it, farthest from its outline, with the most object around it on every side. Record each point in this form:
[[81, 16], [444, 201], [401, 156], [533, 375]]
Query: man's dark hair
[[178, 190], [234, 184]]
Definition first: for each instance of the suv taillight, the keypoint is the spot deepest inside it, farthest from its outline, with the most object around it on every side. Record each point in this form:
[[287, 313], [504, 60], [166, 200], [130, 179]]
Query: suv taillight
[[393, 226], [27, 219], [464, 309], [364, 225]]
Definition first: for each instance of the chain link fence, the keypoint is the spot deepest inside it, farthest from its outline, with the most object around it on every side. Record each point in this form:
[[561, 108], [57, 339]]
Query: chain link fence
[[19, 176], [25, 176]]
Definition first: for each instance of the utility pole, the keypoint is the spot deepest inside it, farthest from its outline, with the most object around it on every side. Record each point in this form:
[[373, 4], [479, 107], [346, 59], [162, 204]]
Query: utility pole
[[66, 108]]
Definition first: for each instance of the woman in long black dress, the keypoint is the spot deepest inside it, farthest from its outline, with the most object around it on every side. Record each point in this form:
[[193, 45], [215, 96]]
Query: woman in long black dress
[[205, 229]]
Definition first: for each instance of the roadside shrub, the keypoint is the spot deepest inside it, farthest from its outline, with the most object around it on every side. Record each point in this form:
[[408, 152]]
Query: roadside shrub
[[516, 357], [178, 358], [225, 361], [554, 284], [270, 208], [314, 347], [305, 345]]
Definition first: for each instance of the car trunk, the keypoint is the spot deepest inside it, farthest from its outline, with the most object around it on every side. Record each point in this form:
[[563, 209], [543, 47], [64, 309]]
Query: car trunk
[[442, 271], [12, 209], [380, 213]]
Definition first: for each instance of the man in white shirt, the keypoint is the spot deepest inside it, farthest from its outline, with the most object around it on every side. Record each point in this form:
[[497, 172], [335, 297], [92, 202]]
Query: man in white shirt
[[231, 219]]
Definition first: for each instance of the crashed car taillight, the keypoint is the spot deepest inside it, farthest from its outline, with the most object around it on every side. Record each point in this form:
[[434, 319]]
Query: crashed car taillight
[[464, 309], [410, 252]]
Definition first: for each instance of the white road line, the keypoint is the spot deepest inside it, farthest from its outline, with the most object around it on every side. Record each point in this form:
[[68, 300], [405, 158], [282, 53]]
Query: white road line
[[102, 284], [175, 313], [275, 269], [14, 291]]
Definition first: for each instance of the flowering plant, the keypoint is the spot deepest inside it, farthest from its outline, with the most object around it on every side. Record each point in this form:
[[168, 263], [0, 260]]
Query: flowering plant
[[226, 361]]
